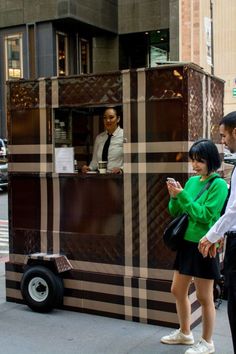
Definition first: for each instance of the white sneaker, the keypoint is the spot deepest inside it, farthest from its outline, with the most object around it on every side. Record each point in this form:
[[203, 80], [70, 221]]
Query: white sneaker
[[202, 347], [178, 337]]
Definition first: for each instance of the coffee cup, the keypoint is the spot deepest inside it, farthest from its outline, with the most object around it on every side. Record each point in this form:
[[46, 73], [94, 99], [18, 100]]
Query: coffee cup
[[102, 167]]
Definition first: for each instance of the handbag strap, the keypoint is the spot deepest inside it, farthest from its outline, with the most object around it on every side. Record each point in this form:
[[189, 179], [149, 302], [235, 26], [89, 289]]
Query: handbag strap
[[206, 187]]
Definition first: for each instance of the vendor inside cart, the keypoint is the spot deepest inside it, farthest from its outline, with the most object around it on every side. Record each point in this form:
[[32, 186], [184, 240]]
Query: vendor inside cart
[[108, 145]]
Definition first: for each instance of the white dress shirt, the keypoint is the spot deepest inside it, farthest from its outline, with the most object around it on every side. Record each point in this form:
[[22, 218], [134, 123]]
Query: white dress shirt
[[227, 222], [115, 152]]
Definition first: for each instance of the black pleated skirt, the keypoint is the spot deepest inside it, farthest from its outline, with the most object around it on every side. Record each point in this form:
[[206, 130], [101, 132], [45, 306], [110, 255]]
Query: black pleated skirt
[[189, 261]]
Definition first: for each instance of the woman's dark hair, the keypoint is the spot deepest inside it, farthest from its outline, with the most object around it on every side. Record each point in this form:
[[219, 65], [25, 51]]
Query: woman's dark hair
[[229, 121], [206, 150]]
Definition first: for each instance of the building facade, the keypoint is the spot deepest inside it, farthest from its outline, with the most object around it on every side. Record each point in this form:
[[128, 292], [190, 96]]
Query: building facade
[[45, 38]]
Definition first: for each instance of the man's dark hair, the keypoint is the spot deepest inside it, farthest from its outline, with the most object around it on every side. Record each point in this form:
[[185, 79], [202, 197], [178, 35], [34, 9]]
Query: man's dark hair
[[229, 121], [205, 150]]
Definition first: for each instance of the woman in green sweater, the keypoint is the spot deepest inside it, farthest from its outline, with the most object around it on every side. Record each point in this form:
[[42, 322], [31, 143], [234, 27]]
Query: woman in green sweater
[[189, 262]]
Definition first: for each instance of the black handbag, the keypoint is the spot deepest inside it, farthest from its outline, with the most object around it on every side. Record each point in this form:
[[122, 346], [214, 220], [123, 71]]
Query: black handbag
[[174, 233], [175, 230]]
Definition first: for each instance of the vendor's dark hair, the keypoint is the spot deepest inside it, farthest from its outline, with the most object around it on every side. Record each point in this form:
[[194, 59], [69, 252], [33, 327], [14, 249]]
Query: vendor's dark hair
[[206, 150], [229, 121]]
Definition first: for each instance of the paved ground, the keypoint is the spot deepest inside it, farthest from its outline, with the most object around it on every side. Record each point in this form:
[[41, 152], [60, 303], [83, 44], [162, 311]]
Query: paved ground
[[64, 332]]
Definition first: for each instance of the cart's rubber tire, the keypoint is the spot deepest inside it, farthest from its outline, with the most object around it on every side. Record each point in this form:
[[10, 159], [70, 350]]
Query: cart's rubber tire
[[41, 289]]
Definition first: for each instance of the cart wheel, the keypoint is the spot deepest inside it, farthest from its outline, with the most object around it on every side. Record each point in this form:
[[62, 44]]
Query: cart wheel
[[41, 289]]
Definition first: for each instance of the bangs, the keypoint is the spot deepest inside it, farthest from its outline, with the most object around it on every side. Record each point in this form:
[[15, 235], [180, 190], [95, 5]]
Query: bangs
[[195, 155]]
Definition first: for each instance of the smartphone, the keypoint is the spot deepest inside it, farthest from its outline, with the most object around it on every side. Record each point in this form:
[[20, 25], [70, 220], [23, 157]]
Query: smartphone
[[172, 180]]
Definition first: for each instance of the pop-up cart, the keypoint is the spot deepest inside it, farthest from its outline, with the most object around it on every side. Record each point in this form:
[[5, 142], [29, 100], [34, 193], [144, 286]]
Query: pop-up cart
[[90, 242]]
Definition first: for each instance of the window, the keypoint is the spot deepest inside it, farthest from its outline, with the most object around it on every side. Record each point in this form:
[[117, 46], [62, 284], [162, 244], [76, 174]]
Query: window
[[158, 47], [62, 56], [84, 56], [144, 49], [14, 63]]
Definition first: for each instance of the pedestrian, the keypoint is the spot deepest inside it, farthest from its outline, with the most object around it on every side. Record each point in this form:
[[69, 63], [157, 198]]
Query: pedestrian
[[226, 226], [189, 263], [108, 145]]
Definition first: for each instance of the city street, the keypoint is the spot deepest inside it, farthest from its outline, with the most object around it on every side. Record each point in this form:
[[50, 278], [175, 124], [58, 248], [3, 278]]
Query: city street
[[3, 205]]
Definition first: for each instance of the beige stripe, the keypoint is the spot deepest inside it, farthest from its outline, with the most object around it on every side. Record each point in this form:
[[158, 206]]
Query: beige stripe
[[143, 251], [128, 225], [43, 236], [142, 295], [42, 93], [13, 293], [17, 258], [43, 214], [94, 305], [162, 274], [196, 314], [141, 105], [164, 316], [56, 215], [160, 296], [128, 309], [43, 134], [126, 104], [98, 267], [143, 225], [92, 286], [170, 146], [160, 167], [103, 306], [55, 98], [43, 165], [93, 267], [128, 298], [30, 149], [13, 276], [30, 167], [72, 301], [127, 178]]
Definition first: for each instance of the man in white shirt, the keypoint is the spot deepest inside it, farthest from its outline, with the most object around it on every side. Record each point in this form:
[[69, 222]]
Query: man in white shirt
[[226, 225], [115, 154]]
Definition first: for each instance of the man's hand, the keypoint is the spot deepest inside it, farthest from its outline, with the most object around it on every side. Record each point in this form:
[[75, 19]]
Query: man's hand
[[204, 246], [85, 169], [208, 248]]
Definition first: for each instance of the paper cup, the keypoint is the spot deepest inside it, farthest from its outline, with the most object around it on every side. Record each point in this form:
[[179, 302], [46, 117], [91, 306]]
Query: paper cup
[[102, 167]]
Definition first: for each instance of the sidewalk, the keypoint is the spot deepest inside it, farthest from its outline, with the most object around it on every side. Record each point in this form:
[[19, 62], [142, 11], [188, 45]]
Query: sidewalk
[[66, 332]]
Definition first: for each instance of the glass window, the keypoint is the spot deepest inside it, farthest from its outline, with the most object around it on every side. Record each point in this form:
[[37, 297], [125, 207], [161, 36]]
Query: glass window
[[158, 47], [144, 49], [62, 57], [84, 56], [13, 50]]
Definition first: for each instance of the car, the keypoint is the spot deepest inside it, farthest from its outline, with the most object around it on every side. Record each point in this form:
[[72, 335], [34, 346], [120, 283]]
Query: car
[[229, 157], [3, 148], [3, 176]]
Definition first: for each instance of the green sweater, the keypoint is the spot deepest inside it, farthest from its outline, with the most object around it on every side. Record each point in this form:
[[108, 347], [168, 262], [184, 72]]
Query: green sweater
[[203, 212]]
